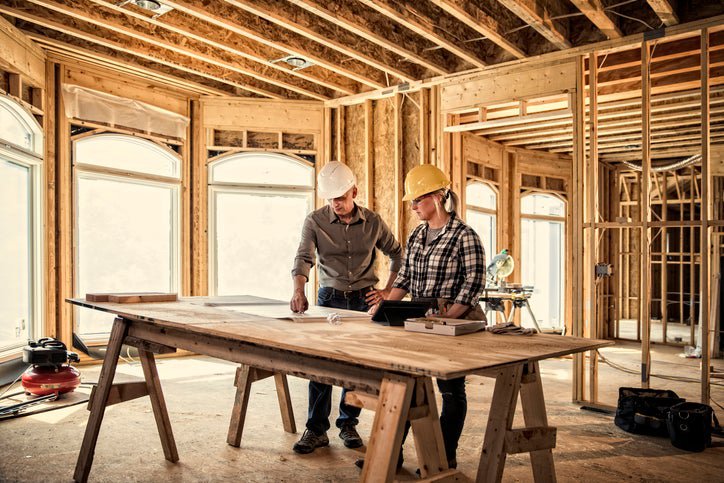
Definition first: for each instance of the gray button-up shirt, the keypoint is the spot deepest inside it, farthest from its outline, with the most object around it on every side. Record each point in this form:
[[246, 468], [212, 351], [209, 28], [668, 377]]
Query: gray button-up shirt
[[346, 252]]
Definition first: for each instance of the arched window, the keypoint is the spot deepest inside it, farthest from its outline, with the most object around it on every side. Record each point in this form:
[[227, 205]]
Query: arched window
[[481, 205], [543, 244], [21, 279], [127, 196], [257, 205]]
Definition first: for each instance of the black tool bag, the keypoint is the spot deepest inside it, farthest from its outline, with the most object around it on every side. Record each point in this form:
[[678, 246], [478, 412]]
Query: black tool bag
[[690, 426], [644, 411]]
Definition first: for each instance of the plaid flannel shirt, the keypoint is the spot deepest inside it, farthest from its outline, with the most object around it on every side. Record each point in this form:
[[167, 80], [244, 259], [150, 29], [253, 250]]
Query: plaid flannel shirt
[[451, 267]]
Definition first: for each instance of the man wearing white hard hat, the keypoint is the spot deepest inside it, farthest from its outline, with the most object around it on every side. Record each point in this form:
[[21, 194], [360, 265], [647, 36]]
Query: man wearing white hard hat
[[344, 238]]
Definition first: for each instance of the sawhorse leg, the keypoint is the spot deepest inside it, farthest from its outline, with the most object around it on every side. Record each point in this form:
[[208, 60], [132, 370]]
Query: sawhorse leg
[[245, 376], [106, 394], [403, 399], [500, 439], [105, 381]]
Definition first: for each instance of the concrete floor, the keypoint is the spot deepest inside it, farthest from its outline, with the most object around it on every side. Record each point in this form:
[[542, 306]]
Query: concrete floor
[[199, 393]]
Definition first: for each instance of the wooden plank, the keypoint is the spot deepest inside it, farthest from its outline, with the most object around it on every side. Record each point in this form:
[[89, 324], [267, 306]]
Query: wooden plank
[[577, 262], [243, 383], [385, 440], [433, 25], [120, 392], [376, 29], [486, 25], [500, 421], [361, 400], [592, 193], [19, 55], [529, 439], [131, 298], [149, 346], [160, 413], [429, 443], [645, 295], [65, 226], [340, 137], [528, 81], [705, 213], [264, 115], [398, 174], [369, 160], [536, 14], [425, 123], [285, 402], [51, 292], [532, 401], [15, 85], [595, 11], [665, 11], [105, 382]]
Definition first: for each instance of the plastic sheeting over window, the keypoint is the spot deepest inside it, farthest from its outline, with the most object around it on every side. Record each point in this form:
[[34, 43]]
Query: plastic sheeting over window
[[94, 106]]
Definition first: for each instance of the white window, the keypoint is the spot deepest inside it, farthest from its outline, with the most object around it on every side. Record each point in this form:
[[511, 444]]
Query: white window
[[126, 220], [258, 202], [481, 204], [21, 280], [543, 255]]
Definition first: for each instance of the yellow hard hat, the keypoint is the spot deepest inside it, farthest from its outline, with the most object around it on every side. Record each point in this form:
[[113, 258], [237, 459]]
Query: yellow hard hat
[[424, 179]]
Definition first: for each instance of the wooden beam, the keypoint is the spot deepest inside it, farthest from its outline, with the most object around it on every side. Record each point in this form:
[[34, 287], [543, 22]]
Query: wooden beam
[[256, 52], [496, 30], [595, 11], [398, 173], [121, 62], [705, 212], [242, 23], [425, 113], [374, 28], [369, 155], [266, 81], [140, 50], [432, 24], [331, 35], [645, 206], [537, 14], [18, 54], [665, 11]]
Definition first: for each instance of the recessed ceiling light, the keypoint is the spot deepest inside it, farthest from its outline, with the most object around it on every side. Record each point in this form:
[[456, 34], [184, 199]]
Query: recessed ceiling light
[[297, 62], [148, 4]]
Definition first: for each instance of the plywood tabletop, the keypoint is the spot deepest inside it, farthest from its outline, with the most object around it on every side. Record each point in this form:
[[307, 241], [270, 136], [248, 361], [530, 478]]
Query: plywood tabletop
[[356, 342]]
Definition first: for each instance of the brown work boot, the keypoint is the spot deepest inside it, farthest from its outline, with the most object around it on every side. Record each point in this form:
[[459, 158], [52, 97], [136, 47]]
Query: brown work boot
[[350, 436], [310, 441]]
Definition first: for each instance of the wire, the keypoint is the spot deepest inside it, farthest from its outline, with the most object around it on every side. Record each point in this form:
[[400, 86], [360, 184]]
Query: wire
[[631, 18], [11, 385], [659, 376]]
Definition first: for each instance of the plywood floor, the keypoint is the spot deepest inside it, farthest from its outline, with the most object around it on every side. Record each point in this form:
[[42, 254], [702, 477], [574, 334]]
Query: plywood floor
[[199, 394]]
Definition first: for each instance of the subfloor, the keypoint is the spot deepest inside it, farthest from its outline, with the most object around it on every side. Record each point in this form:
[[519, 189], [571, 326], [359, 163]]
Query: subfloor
[[199, 394]]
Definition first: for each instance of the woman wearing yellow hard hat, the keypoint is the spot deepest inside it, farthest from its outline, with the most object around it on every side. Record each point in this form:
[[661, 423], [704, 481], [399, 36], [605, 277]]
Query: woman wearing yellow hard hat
[[444, 266]]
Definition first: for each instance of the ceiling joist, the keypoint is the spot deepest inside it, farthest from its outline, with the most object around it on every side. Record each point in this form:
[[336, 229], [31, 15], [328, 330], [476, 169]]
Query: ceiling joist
[[538, 14], [595, 11]]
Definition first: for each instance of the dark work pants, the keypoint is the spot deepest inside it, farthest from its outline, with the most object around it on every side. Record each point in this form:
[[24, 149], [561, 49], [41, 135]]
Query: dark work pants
[[320, 395]]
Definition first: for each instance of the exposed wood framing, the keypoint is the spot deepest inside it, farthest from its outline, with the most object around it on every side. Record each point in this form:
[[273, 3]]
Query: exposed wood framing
[[665, 11], [373, 27], [645, 206], [259, 29], [398, 174], [271, 83], [495, 29], [435, 26], [577, 204], [21, 56], [705, 210], [369, 166], [537, 14], [596, 13], [199, 202]]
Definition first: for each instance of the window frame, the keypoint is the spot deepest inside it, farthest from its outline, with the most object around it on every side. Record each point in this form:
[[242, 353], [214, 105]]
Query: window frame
[[96, 172], [33, 160], [487, 211], [560, 219], [217, 187]]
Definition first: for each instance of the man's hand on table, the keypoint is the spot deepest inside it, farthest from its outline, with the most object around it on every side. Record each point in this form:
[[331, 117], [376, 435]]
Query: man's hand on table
[[299, 302]]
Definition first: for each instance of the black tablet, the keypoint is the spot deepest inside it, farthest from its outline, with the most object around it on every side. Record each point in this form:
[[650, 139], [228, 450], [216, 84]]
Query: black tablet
[[395, 312]]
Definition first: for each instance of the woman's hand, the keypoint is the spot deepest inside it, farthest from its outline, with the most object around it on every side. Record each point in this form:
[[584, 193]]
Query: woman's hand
[[375, 296], [373, 309]]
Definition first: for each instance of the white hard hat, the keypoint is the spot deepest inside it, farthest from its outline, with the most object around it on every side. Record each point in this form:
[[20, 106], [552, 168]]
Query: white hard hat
[[334, 180]]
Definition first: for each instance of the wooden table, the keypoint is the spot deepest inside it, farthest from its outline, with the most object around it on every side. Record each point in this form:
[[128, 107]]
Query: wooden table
[[389, 370]]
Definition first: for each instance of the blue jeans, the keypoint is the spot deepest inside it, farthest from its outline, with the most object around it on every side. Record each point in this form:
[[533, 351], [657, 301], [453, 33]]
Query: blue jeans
[[320, 395]]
